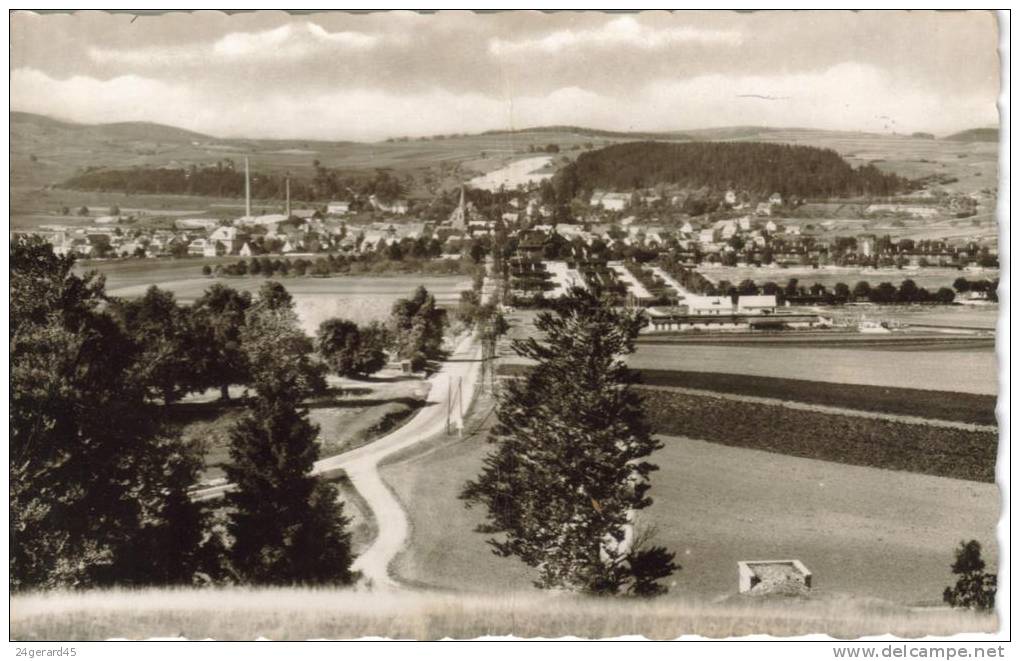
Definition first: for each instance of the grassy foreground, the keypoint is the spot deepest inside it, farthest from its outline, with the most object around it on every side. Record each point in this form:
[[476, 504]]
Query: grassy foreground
[[300, 614]]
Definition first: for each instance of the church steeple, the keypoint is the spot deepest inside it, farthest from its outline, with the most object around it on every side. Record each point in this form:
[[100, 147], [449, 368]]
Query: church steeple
[[459, 217]]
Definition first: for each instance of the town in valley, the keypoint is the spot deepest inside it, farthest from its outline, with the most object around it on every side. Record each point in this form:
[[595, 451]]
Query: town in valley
[[578, 376]]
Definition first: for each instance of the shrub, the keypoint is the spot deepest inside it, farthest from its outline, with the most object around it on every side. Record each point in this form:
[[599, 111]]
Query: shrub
[[975, 589]]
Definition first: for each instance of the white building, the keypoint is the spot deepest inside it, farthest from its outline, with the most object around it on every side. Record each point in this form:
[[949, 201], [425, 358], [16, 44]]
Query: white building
[[610, 201], [756, 304], [196, 223], [706, 237], [709, 305], [338, 208]]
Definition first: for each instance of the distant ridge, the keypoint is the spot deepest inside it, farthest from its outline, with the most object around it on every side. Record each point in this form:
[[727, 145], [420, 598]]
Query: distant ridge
[[122, 130], [975, 135], [596, 133]]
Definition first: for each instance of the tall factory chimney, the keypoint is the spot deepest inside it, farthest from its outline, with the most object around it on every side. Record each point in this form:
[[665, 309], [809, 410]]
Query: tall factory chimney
[[247, 189], [288, 196]]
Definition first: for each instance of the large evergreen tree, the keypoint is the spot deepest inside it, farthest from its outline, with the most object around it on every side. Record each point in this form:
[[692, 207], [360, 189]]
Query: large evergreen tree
[[287, 526], [98, 488], [569, 469]]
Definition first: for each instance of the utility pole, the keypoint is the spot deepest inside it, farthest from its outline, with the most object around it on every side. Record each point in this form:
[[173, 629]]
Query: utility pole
[[288, 195], [460, 406]]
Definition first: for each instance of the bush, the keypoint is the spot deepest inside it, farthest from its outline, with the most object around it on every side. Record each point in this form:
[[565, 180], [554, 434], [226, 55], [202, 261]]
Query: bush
[[975, 588]]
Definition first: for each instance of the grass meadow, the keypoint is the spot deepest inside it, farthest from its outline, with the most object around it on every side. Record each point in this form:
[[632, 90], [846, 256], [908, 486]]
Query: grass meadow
[[865, 532], [965, 370], [302, 614]]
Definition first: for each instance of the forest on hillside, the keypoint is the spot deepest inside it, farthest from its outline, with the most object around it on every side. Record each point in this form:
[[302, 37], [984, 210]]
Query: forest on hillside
[[755, 167], [225, 179]]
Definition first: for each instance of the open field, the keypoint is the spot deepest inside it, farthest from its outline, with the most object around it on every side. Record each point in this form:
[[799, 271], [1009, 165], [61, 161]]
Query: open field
[[927, 339], [961, 407], [301, 614], [984, 317], [967, 370], [824, 222], [515, 173], [357, 298], [32, 207], [863, 531], [860, 441], [930, 278]]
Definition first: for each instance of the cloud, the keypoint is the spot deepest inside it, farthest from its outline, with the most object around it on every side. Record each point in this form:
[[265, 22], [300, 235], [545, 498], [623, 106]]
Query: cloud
[[620, 32], [849, 96], [290, 42]]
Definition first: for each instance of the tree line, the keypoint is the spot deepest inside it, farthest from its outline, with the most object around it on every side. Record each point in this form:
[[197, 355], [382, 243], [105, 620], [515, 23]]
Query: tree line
[[337, 265], [100, 480], [840, 293], [226, 179]]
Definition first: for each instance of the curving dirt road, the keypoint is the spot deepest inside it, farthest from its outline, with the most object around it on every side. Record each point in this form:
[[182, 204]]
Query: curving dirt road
[[453, 386], [452, 389]]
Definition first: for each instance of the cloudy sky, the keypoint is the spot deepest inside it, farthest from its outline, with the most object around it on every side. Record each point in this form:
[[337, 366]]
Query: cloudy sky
[[340, 76]]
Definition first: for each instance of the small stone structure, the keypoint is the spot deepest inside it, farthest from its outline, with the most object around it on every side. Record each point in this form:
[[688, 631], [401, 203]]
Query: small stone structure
[[769, 576]]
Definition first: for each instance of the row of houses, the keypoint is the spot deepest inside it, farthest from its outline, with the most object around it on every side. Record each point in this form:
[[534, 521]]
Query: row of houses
[[613, 201]]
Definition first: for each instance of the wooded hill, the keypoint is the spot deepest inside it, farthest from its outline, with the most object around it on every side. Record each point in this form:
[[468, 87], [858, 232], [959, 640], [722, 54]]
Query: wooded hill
[[226, 179], [755, 167]]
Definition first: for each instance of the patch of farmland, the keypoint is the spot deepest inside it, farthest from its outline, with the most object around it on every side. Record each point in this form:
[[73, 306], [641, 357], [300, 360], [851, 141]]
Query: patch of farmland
[[859, 441], [969, 371], [959, 407]]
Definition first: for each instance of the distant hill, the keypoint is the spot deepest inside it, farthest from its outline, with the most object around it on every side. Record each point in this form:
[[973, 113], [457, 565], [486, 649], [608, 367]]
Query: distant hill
[[45, 151], [975, 135], [757, 167], [116, 130]]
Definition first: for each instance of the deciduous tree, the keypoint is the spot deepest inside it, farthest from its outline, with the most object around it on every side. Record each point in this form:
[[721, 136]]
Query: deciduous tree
[[417, 325], [218, 316], [98, 487]]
